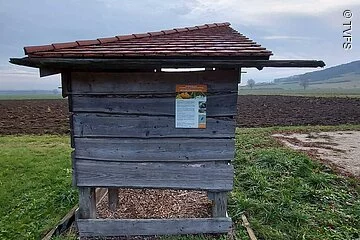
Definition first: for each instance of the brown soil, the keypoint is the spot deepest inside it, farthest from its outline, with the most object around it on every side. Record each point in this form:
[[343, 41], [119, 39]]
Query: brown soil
[[263, 111], [34, 117], [51, 116]]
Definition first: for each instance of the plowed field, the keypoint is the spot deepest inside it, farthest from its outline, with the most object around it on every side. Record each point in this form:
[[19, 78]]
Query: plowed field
[[51, 116]]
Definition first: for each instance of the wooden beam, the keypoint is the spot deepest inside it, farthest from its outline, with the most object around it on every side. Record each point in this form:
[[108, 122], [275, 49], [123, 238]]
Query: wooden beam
[[248, 228], [165, 150], [87, 202], [199, 176], [72, 132], [63, 225], [218, 82], [218, 105], [73, 165], [130, 126], [65, 84], [44, 72], [128, 227], [240, 72], [151, 63], [113, 198], [219, 205]]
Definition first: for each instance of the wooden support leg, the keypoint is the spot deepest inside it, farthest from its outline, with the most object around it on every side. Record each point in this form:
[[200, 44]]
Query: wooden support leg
[[113, 198], [73, 169], [87, 202], [219, 205]]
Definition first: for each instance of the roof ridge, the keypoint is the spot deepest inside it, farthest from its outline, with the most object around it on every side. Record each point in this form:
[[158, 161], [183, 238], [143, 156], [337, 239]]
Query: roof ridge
[[56, 46]]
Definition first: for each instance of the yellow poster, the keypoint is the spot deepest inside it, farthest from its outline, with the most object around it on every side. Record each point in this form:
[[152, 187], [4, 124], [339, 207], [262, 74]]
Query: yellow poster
[[190, 108]]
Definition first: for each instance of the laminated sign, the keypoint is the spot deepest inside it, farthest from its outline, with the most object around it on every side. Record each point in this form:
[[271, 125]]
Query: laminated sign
[[190, 108]]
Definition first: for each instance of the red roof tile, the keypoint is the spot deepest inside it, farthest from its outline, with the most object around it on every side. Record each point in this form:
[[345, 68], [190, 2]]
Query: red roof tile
[[88, 42], [108, 40], [169, 31], [65, 45], [209, 40], [125, 37], [141, 35], [33, 49], [156, 33]]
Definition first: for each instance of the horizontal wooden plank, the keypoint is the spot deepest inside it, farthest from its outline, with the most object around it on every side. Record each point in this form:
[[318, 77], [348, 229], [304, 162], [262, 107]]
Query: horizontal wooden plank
[[217, 105], [200, 176], [155, 149], [146, 82], [111, 125], [128, 227]]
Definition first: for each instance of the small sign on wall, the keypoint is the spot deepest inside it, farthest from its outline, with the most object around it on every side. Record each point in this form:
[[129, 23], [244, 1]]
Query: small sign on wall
[[190, 108]]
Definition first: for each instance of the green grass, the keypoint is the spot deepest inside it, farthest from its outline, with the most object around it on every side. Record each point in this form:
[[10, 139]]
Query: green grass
[[345, 86], [284, 194], [29, 96], [35, 185]]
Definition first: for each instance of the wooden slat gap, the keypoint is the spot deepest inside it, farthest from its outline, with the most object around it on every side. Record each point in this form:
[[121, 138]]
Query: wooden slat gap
[[140, 93], [153, 137], [192, 161]]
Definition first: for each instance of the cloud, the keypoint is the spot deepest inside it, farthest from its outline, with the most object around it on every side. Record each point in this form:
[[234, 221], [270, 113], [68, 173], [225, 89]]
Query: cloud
[[256, 11], [22, 78], [291, 29], [277, 37], [28, 82]]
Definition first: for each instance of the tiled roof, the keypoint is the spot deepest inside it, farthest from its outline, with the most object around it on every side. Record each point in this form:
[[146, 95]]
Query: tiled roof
[[209, 40]]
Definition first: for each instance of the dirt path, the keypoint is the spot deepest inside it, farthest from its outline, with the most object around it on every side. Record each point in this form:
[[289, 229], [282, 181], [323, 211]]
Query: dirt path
[[340, 149]]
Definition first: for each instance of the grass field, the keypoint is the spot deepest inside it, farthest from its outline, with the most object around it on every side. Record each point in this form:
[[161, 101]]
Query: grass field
[[336, 87], [354, 93], [35, 184], [284, 194]]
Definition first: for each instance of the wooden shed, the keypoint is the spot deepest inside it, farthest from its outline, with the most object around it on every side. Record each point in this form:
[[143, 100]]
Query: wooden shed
[[135, 125]]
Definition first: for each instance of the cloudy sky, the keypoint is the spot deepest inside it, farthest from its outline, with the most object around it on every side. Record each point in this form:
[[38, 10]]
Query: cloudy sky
[[292, 29]]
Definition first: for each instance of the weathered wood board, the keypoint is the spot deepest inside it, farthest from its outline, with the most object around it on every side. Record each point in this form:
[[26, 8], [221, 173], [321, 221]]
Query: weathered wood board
[[130, 126], [87, 202], [164, 105], [128, 227], [204, 176], [155, 149], [219, 204], [145, 82], [113, 198]]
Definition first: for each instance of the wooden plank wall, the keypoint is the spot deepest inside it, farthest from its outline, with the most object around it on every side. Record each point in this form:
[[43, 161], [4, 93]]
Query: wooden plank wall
[[124, 135], [128, 227]]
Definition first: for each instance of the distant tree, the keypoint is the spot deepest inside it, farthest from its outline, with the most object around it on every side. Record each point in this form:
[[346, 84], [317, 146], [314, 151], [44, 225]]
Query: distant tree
[[251, 83], [304, 82]]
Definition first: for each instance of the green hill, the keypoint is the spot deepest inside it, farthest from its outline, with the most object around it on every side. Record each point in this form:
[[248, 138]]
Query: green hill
[[341, 80], [336, 74]]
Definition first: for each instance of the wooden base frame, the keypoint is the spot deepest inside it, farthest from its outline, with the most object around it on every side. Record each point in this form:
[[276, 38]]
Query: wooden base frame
[[88, 225]]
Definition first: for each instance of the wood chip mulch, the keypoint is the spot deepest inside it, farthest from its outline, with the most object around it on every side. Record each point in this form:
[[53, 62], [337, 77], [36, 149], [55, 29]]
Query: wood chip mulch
[[155, 203]]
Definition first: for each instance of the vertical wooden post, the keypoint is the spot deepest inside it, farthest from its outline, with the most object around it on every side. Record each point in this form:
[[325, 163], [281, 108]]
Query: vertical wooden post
[[219, 203], [87, 202], [73, 159], [113, 198]]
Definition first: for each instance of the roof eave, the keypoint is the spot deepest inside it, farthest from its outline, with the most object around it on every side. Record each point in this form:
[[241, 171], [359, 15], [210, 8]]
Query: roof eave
[[147, 63]]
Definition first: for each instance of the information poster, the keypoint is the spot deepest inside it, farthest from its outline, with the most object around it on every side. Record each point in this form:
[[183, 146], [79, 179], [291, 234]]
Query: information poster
[[190, 108]]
